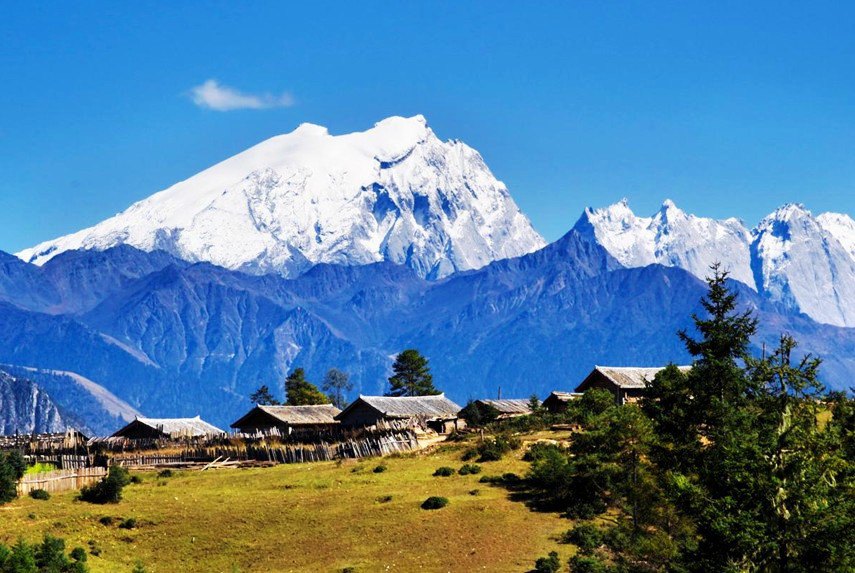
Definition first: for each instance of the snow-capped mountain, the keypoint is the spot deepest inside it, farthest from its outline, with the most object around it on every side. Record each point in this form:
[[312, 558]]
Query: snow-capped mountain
[[841, 227], [805, 266], [671, 238], [804, 262], [394, 192]]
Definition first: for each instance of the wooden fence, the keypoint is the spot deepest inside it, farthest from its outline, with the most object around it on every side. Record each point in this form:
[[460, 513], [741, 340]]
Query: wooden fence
[[63, 461], [375, 443], [60, 480]]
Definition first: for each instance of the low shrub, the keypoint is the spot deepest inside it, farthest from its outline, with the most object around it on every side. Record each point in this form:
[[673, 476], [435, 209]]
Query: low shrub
[[492, 449], [136, 479], [380, 469], [550, 564], [12, 469], [129, 523], [587, 564], [384, 499], [474, 492], [167, 473], [106, 520], [540, 450], [585, 536], [435, 502], [49, 556], [39, 494], [109, 489], [444, 471], [467, 469]]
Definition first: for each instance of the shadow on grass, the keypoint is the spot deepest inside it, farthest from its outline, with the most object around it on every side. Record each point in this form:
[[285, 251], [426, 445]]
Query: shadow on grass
[[523, 491]]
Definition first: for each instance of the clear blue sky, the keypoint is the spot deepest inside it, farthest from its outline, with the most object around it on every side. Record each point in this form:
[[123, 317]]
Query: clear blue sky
[[729, 109]]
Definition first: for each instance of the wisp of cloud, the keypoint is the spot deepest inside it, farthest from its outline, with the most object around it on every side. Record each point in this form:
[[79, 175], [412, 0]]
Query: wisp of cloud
[[213, 95]]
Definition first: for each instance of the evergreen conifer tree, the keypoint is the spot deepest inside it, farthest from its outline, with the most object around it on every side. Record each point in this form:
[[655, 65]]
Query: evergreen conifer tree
[[411, 376], [301, 392]]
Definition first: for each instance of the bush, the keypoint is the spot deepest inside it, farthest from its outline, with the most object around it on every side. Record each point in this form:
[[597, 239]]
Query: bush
[[586, 564], [539, 450], [40, 494], [506, 479], [48, 557], [78, 554], [492, 449], [129, 523], [380, 469], [585, 536], [165, 473], [474, 492], [444, 471], [136, 479], [109, 489], [435, 502], [384, 499], [106, 520], [549, 564], [12, 468], [467, 469]]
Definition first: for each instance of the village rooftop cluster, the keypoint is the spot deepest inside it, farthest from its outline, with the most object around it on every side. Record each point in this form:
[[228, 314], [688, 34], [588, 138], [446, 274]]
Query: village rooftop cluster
[[434, 413]]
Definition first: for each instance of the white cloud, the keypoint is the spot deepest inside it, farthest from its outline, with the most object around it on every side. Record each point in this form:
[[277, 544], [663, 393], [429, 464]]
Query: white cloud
[[213, 95]]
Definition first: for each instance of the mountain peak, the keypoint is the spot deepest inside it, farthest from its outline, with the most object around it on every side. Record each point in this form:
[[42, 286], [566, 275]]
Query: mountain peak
[[394, 192], [670, 237], [787, 212]]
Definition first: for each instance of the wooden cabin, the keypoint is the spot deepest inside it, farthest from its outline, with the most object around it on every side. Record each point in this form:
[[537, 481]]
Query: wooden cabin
[[166, 428], [626, 383], [283, 419], [437, 413], [508, 408], [557, 401]]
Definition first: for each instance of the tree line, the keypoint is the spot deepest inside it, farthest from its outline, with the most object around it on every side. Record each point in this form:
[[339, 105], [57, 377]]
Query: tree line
[[411, 376], [741, 464]]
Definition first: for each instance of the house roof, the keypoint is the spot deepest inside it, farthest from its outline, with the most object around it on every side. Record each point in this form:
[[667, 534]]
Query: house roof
[[296, 415], [515, 406], [179, 426], [628, 377], [437, 406], [563, 396]]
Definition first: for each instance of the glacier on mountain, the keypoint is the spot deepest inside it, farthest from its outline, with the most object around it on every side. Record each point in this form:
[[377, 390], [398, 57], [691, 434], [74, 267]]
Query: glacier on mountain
[[803, 262], [392, 193], [671, 238]]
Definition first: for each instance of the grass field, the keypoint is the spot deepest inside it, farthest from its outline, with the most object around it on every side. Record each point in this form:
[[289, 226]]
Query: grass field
[[304, 517]]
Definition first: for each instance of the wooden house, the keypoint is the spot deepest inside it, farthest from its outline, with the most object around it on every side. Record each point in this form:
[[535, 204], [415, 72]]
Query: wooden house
[[284, 419], [165, 428], [437, 413], [626, 383], [507, 408], [557, 401]]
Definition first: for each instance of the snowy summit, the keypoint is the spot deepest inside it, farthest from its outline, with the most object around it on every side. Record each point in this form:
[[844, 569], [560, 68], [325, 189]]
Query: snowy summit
[[394, 192], [804, 262]]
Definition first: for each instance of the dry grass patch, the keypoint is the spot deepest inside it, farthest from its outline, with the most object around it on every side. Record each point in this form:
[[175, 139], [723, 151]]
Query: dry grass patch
[[304, 517]]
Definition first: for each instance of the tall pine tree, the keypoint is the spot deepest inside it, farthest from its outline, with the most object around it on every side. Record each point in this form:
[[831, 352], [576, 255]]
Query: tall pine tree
[[411, 376], [301, 392]]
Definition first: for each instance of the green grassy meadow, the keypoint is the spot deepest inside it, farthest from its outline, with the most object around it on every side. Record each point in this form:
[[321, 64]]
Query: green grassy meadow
[[304, 517]]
